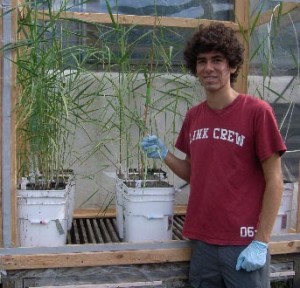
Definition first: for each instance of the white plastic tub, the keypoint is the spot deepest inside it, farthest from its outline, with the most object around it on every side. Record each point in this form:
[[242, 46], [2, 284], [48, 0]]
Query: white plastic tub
[[42, 217], [283, 218], [71, 189], [148, 213], [119, 208], [282, 223]]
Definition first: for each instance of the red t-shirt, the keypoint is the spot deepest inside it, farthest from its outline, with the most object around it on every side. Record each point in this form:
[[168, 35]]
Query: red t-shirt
[[226, 148]]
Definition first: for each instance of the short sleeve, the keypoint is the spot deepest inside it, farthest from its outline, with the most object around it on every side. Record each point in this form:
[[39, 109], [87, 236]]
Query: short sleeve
[[268, 139], [182, 142]]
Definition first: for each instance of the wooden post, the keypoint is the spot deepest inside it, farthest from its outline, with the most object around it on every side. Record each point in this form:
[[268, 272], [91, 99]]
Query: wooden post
[[1, 79], [242, 18], [8, 126], [13, 156]]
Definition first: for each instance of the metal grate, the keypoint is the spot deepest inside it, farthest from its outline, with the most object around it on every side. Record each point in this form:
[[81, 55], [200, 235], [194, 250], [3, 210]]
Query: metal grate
[[104, 230]]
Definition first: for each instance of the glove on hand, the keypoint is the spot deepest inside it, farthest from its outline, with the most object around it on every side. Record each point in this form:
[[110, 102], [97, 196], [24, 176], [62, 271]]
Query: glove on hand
[[253, 256], [154, 147]]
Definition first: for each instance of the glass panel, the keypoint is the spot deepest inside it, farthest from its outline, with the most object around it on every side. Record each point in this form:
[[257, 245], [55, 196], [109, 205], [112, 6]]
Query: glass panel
[[274, 46], [288, 117], [259, 6], [207, 9], [137, 44], [274, 76]]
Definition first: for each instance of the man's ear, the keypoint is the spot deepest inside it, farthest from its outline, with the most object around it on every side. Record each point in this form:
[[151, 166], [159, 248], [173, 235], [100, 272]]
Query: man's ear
[[232, 70]]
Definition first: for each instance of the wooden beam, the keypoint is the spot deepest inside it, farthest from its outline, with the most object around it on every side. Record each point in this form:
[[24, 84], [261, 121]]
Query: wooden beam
[[105, 258], [10, 81], [265, 17], [13, 157], [242, 18], [104, 18], [284, 247], [111, 212], [241, 9], [120, 257]]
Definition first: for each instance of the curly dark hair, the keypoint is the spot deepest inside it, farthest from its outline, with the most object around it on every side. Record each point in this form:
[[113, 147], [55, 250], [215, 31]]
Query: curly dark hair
[[214, 37]]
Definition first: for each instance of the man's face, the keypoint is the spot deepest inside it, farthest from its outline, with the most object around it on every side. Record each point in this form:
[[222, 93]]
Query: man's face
[[213, 71]]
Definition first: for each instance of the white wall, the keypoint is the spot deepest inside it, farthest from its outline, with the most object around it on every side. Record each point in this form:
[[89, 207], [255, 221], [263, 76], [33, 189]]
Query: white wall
[[94, 189]]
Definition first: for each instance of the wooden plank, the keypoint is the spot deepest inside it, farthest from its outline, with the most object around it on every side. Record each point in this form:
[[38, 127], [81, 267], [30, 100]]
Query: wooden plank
[[241, 9], [120, 257], [180, 209], [241, 84], [111, 212], [107, 258], [265, 17], [135, 20], [12, 137], [242, 19], [284, 247], [13, 157], [94, 213], [282, 274]]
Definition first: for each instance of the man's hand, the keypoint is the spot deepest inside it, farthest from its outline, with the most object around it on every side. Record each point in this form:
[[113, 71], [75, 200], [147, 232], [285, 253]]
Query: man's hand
[[253, 256], [154, 147]]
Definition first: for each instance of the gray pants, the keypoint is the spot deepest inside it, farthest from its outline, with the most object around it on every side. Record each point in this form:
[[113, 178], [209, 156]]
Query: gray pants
[[213, 266]]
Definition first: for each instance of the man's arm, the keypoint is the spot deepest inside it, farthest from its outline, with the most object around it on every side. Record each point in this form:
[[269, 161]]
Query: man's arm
[[181, 167], [254, 255], [272, 197]]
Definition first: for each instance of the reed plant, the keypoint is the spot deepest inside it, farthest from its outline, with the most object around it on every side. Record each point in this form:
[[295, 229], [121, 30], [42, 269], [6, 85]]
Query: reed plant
[[144, 95], [137, 97], [54, 94], [274, 60]]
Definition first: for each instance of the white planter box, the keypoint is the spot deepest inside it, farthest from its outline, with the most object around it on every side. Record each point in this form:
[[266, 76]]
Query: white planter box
[[144, 213], [42, 217]]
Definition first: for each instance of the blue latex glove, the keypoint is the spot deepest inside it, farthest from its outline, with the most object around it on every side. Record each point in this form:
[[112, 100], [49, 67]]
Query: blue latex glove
[[154, 147], [253, 256]]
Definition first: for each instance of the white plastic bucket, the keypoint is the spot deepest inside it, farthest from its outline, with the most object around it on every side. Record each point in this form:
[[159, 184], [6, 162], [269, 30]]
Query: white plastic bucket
[[287, 197], [282, 223], [71, 201], [119, 208], [148, 213], [283, 219], [42, 217]]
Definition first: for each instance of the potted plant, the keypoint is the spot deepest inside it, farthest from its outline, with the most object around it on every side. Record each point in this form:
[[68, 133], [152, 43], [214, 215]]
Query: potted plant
[[54, 98], [141, 97]]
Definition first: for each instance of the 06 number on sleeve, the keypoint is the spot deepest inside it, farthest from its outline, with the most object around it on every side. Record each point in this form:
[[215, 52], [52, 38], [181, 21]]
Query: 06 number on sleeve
[[247, 232]]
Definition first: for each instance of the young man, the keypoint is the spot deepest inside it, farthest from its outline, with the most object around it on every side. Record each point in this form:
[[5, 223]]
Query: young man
[[233, 148]]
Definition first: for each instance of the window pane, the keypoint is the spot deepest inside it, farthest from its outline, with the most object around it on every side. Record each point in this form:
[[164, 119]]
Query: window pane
[[137, 45], [275, 46], [205, 9]]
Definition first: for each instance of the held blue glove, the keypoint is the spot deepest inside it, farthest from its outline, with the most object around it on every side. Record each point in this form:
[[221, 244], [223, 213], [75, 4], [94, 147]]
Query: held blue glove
[[154, 147], [253, 256]]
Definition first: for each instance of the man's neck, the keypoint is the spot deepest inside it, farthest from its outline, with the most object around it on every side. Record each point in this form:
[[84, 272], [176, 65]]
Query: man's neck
[[218, 101]]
